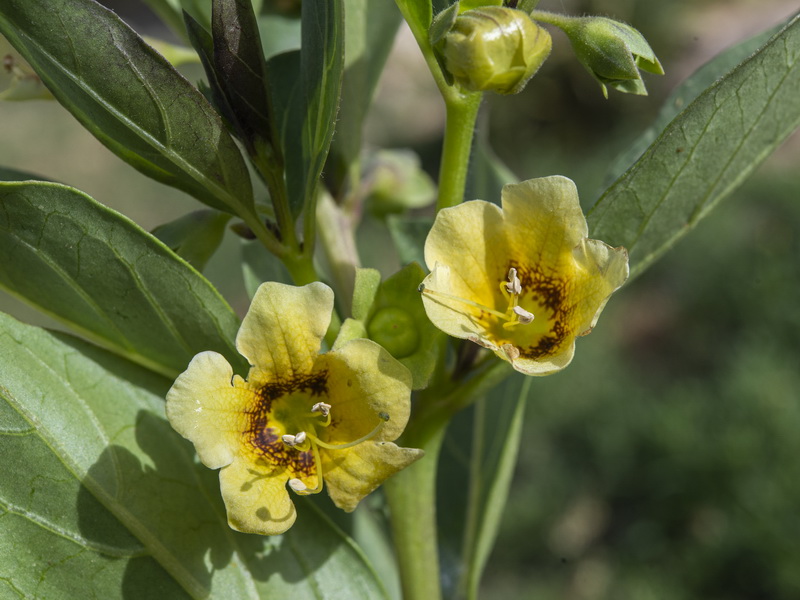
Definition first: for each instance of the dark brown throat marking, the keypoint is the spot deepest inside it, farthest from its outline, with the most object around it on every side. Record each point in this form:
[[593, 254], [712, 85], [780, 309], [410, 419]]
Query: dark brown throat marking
[[551, 293], [264, 439]]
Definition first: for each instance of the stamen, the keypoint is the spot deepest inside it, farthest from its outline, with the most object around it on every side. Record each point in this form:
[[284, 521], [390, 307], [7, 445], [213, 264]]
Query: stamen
[[525, 317], [491, 311], [294, 440], [297, 485], [513, 286], [369, 436], [322, 408], [300, 487]]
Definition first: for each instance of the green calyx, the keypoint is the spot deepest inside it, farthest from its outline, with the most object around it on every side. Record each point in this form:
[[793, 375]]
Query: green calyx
[[396, 330], [612, 52]]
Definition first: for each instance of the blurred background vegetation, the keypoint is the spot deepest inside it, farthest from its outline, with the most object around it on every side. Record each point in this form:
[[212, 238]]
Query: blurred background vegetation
[[663, 464]]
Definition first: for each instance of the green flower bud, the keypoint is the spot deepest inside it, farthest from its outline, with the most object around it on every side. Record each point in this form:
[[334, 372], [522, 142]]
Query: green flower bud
[[396, 182], [494, 48], [612, 52], [394, 329]]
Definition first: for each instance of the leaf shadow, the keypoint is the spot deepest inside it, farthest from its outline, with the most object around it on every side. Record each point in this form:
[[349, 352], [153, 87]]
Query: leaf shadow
[[171, 502]]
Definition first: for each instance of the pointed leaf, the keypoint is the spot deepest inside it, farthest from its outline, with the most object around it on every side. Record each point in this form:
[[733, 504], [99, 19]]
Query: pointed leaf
[[106, 278], [684, 94], [306, 87], [194, 237], [370, 29], [129, 97], [240, 68], [704, 153], [72, 411]]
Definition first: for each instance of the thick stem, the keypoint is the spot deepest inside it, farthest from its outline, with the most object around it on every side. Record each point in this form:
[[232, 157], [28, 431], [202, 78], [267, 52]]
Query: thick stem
[[462, 112], [412, 502]]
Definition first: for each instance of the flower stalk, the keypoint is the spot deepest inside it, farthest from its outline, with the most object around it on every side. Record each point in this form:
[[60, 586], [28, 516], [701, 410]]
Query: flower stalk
[[462, 113]]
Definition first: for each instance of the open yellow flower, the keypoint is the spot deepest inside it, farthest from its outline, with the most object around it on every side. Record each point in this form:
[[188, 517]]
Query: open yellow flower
[[523, 281], [300, 417]]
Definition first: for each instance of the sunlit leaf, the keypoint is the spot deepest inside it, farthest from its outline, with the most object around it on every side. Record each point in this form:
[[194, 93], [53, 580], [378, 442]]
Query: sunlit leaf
[[108, 279], [704, 153], [684, 94], [129, 97], [86, 426]]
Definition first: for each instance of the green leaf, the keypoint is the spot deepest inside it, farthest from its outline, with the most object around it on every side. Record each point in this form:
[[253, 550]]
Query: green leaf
[[306, 87], [364, 291], [478, 462], [684, 94], [241, 70], [194, 237], [106, 278], [86, 426], [203, 44], [704, 153], [129, 97], [370, 29]]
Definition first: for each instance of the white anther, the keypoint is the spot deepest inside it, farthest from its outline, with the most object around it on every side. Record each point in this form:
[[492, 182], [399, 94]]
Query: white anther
[[513, 286], [289, 440], [524, 316], [300, 438], [297, 485], [321, 408]]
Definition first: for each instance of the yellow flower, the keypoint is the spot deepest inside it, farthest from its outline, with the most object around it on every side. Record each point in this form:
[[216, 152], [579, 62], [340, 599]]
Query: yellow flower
[[523, 281], [300, 417]]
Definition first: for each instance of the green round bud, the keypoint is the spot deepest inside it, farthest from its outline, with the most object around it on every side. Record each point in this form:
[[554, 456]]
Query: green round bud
[[397, 182], [494, 49], [612, 52], [394, 329]]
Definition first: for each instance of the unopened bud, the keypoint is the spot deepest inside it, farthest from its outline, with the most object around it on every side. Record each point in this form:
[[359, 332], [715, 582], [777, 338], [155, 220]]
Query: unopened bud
[[612, 52], [494, 48]]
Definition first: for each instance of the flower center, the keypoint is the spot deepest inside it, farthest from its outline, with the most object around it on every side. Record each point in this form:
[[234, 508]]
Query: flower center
[[514, 314], [307, 440]]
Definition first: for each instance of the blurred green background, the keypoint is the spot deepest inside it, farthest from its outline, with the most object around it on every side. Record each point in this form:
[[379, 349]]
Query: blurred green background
[[663, 464]]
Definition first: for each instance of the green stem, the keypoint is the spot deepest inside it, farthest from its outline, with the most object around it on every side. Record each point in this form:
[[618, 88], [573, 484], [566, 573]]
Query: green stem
[[412, 501], [555, 19], [462, 112], [412, 492]]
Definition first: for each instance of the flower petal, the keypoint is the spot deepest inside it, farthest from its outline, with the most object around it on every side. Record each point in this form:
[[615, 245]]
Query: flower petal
[[256, 499], [451, 316], [205, 406], [364, 380], [353, 473], [470, 239], [544, 220], [283, 330], [546, 365], [602, 270]]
